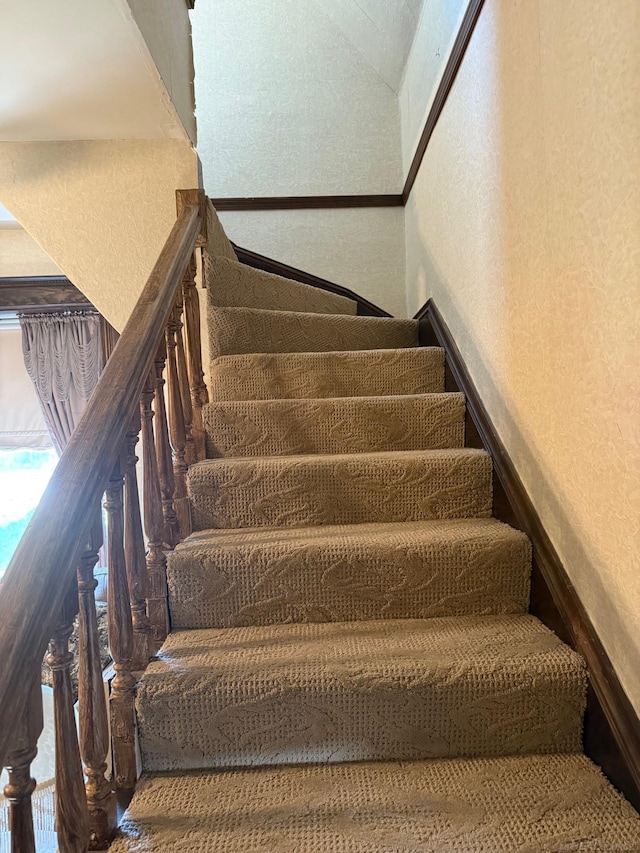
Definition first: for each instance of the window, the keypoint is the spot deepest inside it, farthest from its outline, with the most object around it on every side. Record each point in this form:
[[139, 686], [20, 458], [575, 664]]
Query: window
[[24, 474]]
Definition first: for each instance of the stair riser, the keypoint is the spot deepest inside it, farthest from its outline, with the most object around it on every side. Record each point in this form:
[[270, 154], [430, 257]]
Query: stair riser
[[357, 425], [270, 376], [239, 330], [230, 283], [340, 490], [263, 721], [333, 582]]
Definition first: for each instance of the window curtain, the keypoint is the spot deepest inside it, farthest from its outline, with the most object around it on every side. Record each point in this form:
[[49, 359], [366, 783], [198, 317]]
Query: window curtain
[[64, 357]]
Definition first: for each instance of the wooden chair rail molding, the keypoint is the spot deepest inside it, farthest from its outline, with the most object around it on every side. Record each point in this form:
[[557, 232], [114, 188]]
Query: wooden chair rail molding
[[612, 728], [454, 61], [50, 578], [261, 262]]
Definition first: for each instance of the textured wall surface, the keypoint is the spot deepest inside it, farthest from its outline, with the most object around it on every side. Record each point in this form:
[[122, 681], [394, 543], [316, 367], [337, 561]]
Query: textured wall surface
[[524, 225], [20, 255], [362, 249], [434, 37], [287, 106], [101, 209], [381, 31], [166, 29], [80, 69]]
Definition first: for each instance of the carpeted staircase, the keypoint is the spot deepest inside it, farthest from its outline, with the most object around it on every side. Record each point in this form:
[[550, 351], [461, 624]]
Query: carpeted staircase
[[352, 666]]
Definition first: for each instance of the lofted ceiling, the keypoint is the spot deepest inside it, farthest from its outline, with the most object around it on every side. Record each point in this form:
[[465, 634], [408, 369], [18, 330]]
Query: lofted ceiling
[[381, 31]]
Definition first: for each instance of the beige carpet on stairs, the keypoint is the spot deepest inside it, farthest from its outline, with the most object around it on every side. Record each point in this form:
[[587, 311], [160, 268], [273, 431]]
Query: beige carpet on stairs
[[303, 375], [229, 578], [530, 804], [352, 667]]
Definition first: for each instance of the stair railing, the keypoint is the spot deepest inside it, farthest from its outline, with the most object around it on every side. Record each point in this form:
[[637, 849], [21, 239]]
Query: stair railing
[[49, 584]]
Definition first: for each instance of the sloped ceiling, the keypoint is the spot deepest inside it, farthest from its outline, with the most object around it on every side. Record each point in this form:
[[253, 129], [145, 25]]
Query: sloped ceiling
[[381, 31], [79, 69]]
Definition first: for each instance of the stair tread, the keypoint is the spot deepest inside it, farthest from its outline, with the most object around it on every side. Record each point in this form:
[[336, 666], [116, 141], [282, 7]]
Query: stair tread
[[334, 425], [494, 805], [293, 491], [401, 532], [396, 689], [225, 578], [246, 330], [252, 376]]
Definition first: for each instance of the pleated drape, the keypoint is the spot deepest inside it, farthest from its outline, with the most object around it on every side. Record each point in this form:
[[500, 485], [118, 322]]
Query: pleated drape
[[63, 357]]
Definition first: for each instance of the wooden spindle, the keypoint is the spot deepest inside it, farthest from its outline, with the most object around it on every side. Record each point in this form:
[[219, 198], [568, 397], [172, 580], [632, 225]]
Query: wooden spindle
[[92, 702], [177, 432], [157, 609], [120, 640], [198, 389], [21, 786], [171, 533], [191, 454], [72, 817], [134, 552]]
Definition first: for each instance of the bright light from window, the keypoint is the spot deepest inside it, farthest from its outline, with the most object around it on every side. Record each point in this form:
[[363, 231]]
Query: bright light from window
[[24, 475]]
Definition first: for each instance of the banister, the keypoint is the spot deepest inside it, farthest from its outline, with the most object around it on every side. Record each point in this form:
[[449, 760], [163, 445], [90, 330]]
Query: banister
[[44, 564]]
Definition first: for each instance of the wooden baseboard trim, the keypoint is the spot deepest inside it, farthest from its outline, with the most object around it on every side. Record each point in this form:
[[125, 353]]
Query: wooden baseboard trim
[[307, 202], [612, 728], [261, 262]]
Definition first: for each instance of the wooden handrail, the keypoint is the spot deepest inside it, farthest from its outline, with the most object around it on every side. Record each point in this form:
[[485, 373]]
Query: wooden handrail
[[44, 564]]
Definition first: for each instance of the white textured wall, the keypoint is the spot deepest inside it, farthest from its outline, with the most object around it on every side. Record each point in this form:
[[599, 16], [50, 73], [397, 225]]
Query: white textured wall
[[102, 210], [362, 249], [166, 29], [524, 225], [436, 31], [287, 106], [20, 255]]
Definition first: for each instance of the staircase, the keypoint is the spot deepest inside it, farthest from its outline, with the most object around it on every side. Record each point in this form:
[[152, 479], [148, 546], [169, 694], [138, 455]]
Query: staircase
[[351, 665]]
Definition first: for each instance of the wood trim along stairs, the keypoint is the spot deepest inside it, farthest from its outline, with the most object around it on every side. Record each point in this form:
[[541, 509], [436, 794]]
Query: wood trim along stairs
[[611, 728], [458, 50]]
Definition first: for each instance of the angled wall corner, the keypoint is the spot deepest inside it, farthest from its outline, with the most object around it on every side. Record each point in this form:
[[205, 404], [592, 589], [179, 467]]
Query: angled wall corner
[[101, 209]]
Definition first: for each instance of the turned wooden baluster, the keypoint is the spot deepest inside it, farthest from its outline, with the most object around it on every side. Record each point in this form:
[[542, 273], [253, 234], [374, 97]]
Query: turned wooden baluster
[[171, 533], [92, 702], [135, 553], [120, 640], [154, 525], [199, 394], [190, 451], [21, 786], [177, 430], [72, 817]]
